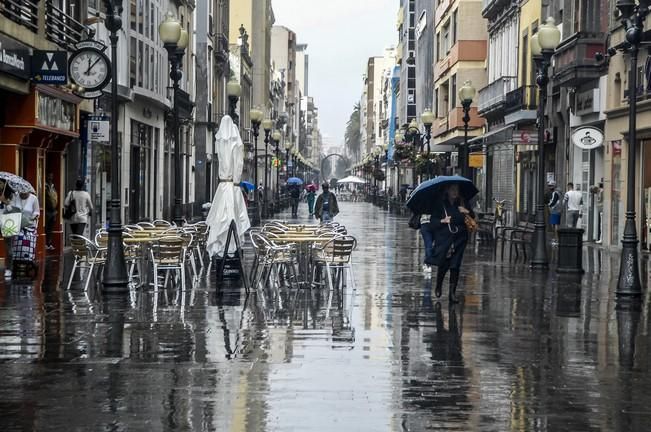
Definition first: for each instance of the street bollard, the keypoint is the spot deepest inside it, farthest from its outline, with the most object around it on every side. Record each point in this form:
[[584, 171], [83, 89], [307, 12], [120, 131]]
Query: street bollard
[[570, 250]]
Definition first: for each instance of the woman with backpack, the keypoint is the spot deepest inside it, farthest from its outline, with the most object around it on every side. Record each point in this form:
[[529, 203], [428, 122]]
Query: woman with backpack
[[78, 207]]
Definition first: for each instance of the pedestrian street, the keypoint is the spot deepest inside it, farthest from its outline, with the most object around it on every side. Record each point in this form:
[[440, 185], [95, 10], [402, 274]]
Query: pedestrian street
[[522, 350]]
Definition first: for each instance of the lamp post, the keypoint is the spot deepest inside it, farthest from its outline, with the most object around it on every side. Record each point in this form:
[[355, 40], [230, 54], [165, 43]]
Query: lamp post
[[376, 167], [277, 136], [288, 164], [398, 140], [385, 148], [412, 135], [267, 125], [256, 118], [466, 94], [543, 45], [115, 270], [234, 91], [175, 39], [427, 117], [633, 17]]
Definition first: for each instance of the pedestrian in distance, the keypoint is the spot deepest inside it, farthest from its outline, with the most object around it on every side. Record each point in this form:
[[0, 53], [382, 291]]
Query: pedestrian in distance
[[51, 210], [555, 205], [574, 200], [326, 205], [311, 199], [78, 208], [450, 238], [295, 195]]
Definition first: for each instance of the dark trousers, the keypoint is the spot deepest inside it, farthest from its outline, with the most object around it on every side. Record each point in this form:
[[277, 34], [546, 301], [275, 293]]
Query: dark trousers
[[428, 239], [50, 220], [294, 206], [78, 228]]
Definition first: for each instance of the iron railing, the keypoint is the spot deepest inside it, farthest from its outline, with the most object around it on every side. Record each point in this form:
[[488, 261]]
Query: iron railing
[[23, 12], [61, 28], [523, 98], [494, 94]]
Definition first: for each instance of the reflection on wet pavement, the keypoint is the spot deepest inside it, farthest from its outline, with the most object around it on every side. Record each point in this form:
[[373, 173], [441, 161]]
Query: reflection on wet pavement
[[523, 351]]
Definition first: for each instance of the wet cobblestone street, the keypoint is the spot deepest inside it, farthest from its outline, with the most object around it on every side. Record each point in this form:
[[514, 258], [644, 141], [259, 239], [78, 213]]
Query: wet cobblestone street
[[522, 351]]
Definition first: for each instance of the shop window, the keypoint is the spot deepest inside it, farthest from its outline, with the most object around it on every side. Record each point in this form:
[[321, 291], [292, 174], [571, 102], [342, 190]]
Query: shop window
[[56, 113]]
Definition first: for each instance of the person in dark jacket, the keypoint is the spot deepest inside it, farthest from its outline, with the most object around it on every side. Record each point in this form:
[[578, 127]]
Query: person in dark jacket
[[326, 205], [450, 238]]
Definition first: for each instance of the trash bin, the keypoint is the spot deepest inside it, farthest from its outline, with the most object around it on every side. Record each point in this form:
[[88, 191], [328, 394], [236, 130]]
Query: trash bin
[[570, 250]]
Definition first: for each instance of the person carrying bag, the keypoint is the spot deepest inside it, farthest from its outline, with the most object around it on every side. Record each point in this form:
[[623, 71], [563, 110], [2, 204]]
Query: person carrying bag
[[78, 208]]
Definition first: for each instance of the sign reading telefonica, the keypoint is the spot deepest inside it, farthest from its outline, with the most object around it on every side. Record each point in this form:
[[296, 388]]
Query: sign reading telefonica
[[14, 57]]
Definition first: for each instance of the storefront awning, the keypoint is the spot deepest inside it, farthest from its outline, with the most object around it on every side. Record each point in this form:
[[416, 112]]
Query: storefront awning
[[492, 136]]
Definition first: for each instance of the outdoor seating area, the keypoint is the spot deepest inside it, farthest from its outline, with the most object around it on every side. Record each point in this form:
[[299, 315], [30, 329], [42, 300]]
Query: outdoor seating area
[[295, 259], [157, 253]]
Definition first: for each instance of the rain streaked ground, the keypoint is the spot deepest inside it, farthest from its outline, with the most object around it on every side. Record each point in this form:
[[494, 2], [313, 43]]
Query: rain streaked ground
[[523, 351]]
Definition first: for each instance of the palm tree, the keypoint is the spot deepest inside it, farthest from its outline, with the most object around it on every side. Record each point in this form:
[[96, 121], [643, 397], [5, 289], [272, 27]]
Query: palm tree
[[353, 137]]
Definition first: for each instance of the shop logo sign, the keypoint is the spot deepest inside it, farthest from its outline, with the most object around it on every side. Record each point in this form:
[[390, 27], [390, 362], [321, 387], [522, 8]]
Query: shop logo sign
[[588, 138], [14, 57]]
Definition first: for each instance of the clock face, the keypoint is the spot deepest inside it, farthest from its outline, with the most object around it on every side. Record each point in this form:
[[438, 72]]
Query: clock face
[[90, 69]]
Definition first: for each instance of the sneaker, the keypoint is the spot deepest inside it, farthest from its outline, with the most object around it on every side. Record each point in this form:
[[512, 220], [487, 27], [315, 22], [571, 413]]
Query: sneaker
[[427, 269], [49, 247], [7, 274]]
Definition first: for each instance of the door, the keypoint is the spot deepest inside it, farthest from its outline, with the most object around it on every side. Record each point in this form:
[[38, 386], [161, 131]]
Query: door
[[134, 198]]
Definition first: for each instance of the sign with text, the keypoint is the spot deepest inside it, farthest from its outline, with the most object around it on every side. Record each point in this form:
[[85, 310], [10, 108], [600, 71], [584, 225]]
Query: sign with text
[[588, 138], [98, 130], [50, 67], [14, 57], [476, 160]]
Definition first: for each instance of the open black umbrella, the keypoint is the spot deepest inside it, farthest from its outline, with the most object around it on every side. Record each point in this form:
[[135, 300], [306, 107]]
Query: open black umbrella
[[428, 193]]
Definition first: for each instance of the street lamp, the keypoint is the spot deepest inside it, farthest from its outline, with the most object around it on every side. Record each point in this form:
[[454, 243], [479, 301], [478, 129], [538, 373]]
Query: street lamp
[[267, 125], [543, 45], [288, 148], [115, 271], [466, 95], [256, 118], [398, 139], [633, 17], [277, 136], [385, 148], [234, 91], [427, 117], [175, 39]]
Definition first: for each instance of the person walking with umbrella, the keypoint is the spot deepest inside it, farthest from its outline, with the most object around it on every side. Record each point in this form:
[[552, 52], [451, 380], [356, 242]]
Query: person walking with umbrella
[[446, 198]]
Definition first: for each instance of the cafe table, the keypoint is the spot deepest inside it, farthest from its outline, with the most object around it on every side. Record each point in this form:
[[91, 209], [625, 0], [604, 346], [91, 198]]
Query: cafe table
[[304, 245]]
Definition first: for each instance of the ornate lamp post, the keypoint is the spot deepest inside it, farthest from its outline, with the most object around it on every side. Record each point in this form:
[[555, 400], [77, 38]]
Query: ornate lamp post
[[175, 39], [277, 136], [385, 148], [466, 94], [267, 125], [288, 164], [427, 117], [633, 17], [398, 139], [412, 135], [115, 270], [234, 91], [543, 45], [256, 118]]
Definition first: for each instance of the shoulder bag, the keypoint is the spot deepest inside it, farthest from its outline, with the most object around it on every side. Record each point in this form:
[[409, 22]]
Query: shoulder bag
[[414, 221], [71, 209]]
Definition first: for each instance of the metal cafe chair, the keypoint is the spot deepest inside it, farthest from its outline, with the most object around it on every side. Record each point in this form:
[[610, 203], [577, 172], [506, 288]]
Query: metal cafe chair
[[168, 254], [146, 225], [160, 223], [273, 259], [335, 256], [87, 255]]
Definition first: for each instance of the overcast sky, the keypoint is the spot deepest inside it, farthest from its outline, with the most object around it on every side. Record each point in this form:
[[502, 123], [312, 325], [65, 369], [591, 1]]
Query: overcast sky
[[341, 36]]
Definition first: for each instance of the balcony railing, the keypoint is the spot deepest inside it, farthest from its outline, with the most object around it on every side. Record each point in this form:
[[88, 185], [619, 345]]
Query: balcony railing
[[494, 94], [23, 12], [523, 98], [489, 6], [61, 28]]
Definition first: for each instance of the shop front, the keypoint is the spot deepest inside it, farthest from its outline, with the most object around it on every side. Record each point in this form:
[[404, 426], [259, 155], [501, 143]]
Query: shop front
[[37, 129]]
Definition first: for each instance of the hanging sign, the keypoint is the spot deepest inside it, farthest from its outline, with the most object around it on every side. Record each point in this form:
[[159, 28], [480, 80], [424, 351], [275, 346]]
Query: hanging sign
[[588, 138], [476, 160]]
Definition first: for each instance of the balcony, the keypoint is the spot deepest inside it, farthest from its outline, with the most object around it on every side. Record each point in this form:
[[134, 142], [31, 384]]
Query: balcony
[[523, 98], [491, 7], [61, 28], [493, 96], [574, 60], [23, 12]]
